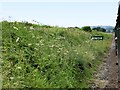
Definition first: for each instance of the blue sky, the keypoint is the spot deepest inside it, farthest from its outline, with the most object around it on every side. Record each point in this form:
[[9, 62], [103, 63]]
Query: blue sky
[[62, 13]]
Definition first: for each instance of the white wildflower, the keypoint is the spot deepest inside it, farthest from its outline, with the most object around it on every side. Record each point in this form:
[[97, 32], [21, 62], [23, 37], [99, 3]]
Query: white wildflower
[[33, 36], [58, 51], [67, 51], [60, 48], [19, 68], [31, 28], [80, 45], [15, 28], [17, 39], [11, 77], [40, 41], [36, 48], [87, 41], [25, 27], [29, 44], [37, 37], [37, 44], [41, 44], [52, 46], [75, 50], [49, 56]]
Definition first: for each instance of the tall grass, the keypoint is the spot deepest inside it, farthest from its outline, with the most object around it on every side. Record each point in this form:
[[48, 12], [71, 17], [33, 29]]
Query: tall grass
[[49, 57]]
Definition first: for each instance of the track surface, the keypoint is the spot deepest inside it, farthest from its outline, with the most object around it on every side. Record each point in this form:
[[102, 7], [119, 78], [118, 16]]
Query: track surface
[[107, 77]]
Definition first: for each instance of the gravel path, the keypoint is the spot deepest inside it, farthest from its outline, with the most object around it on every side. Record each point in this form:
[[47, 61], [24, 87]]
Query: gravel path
[[107, 77]]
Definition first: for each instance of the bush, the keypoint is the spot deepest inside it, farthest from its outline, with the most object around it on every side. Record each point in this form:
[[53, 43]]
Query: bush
[[87, 28], [100, 29]]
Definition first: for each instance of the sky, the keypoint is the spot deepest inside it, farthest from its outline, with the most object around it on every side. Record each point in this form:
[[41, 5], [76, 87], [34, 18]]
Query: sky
[[65, 13]]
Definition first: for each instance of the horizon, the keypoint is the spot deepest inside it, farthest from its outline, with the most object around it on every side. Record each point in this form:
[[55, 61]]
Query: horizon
[[57, 25]]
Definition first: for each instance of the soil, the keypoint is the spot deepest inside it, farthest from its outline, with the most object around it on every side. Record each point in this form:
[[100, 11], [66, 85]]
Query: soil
[[107, 75]]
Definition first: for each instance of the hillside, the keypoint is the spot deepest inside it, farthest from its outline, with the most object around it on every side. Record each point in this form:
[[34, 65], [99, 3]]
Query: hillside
[[40, 56]]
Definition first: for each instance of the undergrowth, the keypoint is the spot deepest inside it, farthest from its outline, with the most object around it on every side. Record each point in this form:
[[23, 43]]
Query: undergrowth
[[39, 56]]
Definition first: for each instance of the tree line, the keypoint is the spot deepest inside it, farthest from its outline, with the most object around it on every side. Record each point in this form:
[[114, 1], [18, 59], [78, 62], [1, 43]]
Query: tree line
[[88, 28]]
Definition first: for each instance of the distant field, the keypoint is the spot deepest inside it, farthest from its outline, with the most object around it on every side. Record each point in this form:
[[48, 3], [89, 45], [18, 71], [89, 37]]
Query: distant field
[[41, 56]]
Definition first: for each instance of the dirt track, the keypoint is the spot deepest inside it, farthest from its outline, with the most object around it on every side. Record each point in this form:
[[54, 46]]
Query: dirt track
[[107, 77]]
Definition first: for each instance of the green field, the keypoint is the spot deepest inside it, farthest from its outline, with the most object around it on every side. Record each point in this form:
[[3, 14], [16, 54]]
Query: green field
[[41, 56]]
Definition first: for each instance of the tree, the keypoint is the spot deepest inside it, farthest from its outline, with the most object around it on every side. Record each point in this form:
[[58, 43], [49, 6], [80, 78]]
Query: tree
[[87, 28], [99, 29]]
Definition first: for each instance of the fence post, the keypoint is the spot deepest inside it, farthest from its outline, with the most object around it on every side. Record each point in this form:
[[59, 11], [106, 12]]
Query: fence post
[[118, 42]]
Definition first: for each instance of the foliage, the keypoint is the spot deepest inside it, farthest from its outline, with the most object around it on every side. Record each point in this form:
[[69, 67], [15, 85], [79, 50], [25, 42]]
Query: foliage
[[100, 29], [42, 57], [86, 28]]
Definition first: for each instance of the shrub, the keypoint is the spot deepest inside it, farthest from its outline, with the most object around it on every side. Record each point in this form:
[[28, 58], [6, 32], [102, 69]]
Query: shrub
[[100, 29], [87, 28]]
